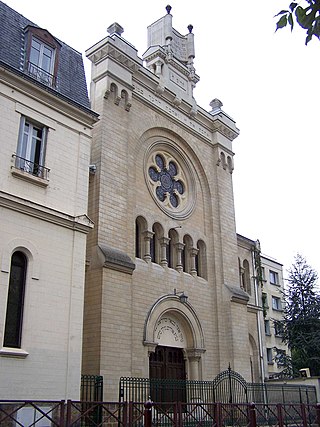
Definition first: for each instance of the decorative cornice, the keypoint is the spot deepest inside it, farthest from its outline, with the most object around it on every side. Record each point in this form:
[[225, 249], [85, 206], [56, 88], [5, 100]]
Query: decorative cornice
[[80, 223], [169, 107], [110, 51], [219, 126]]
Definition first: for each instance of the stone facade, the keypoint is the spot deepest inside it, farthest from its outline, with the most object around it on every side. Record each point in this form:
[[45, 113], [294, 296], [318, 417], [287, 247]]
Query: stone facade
[[43, 209], [165, 268], [272, 295], [266, 300], [163, 207]]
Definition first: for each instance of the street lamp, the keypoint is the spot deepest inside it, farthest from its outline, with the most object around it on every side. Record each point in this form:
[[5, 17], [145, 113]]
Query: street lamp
[[182, 296]]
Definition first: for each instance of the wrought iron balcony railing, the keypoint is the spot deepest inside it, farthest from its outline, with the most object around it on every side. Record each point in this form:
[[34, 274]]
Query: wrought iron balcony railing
[[28, 166], [41, 75]]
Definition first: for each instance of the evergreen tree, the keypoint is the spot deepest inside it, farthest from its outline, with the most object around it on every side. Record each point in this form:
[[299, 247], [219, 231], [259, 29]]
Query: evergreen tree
[[301, 324]]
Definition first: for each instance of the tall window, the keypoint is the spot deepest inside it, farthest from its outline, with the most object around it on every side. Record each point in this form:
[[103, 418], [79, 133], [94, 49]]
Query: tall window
[[141, 227], [41, 61], [42, 55], [171, 250], [278, 328], [155, 248], [201, 260], [31, 148], [246, 277], [14, 313], [269, 356], [267, 327], [273, 276], [276, 303], [186, 257]]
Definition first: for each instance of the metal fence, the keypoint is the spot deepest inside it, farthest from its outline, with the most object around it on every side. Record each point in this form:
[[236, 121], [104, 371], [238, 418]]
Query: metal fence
[[152, 414], [226, 391], [91, 391], [91, 388]]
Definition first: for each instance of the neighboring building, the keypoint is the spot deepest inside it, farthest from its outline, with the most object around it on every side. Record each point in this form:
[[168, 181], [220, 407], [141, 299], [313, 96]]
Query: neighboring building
[[268, 298], [162, 202], [272, 296], [45, 141], [248, 253]]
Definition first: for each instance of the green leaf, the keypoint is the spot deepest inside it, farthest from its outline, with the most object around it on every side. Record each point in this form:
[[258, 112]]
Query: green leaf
[[302, 18], [282, 22], [282, 12], [316, 27], [309, 37], [290, 20], [292, 6]]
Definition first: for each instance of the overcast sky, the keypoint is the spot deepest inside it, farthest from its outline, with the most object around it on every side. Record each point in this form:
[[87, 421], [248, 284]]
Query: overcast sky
[[269, 83]]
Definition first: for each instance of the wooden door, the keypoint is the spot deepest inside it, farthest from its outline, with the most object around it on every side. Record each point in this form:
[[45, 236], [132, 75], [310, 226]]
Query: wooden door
[[167, 374]]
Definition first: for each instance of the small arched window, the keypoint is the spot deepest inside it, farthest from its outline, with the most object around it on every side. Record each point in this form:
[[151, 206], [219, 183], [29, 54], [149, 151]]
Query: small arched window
[[171, 250], [201, 260], [15, 301], [141, 227], [186, 253], [246, 277], [155, 247]]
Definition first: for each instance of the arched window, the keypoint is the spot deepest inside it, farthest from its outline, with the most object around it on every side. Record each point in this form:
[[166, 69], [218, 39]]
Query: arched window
[[186, 254], [171, 250], [141, 227], [201, 260], [155, 246], [246, 277], [240, 272], [14, 313]]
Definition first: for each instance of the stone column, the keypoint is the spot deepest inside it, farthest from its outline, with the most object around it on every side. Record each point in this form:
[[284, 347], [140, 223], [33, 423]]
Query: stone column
[[194, 356], [179, 248], [193, 254], [164, 241], [147, 238]]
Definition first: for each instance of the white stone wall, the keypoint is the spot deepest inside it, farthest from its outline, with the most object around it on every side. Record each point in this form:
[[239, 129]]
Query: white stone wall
[[45, 222]]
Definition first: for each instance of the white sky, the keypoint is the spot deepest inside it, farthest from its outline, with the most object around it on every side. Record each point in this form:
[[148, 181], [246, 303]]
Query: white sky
[[269, 83]]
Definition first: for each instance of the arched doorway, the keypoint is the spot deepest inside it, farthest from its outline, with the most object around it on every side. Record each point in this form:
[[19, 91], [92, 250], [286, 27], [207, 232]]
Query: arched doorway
[[174, 339]]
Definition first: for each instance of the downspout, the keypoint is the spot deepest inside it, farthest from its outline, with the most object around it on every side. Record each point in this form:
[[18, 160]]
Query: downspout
[[256, 287]]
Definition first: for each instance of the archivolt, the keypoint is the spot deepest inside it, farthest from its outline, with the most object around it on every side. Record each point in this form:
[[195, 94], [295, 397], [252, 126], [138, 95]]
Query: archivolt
[[171, 305]]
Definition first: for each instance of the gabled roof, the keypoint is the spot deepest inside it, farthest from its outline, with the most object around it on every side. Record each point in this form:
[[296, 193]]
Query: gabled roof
[[71, 82]]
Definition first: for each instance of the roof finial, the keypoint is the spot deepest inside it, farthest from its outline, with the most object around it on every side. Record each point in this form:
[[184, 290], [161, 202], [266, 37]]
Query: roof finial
[[190, 28], [168, 9]]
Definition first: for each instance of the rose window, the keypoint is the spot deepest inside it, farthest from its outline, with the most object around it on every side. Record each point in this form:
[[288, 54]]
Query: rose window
[[166, 177]]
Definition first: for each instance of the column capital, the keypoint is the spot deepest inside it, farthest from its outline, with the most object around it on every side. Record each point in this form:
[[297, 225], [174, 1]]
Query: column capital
[[194, 354], [151, 346]]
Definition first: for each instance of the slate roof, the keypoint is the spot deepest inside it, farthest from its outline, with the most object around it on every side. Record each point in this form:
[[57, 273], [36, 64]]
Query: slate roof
[[71, 82]]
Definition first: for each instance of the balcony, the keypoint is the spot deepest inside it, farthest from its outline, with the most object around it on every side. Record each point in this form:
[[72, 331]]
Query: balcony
[[27, 167], [41, 75]]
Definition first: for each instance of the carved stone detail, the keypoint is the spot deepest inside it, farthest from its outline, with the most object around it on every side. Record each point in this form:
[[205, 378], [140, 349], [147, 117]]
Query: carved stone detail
[[226, 161]]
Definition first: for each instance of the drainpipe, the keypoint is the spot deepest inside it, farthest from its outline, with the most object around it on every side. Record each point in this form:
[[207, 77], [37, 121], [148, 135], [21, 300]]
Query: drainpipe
[[256, 287]]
